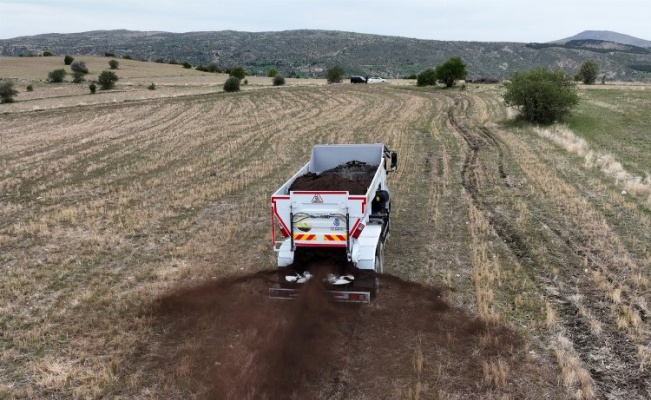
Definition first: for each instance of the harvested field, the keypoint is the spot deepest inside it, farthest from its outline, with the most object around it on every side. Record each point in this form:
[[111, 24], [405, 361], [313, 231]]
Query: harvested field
[[135, 252]]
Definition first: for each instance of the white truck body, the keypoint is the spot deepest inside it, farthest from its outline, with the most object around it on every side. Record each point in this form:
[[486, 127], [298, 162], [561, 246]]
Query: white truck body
[[335, 219]]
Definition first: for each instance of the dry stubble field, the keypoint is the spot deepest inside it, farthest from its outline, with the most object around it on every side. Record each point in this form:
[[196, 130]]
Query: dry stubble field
[[123, 223]]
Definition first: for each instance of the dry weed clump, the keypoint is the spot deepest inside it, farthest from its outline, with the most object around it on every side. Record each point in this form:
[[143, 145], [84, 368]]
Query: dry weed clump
[[564, 137], [573, 376]]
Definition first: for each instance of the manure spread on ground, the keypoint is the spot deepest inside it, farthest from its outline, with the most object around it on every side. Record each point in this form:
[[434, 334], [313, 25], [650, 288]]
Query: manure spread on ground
[[225, 339]]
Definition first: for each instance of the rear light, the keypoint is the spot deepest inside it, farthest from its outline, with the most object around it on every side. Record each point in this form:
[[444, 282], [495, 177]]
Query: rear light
[[358, 230], [355, 297]]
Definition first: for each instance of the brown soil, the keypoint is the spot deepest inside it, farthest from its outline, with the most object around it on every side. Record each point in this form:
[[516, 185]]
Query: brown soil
[[227, 340], [353, 177]]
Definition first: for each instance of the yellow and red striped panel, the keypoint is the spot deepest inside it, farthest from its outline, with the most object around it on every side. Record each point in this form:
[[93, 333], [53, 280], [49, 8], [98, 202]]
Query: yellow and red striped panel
[[334, 238], [304, 236]]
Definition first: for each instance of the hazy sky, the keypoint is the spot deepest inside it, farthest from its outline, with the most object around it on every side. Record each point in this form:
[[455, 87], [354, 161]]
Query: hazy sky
[[497, 20]]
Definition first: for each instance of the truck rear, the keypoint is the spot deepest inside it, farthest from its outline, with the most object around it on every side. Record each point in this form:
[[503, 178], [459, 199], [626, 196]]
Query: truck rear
[[334, 211]]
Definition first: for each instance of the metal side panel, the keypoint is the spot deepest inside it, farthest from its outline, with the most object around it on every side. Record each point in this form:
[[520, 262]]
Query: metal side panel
[[364, 247], [285, 254], [328, 156]]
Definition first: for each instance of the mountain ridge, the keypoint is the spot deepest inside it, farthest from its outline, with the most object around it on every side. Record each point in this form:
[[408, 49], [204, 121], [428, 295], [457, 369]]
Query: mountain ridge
[[309, 53], [607, 36]]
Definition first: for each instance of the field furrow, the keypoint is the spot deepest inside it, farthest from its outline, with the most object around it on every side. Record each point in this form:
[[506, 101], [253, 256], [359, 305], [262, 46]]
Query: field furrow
[[135, 251]]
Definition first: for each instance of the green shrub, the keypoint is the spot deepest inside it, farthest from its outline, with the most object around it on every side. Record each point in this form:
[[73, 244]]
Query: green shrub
[[237, 72], [232, 84], [79, 66], [7, 92], [159, 60], [67, 60], [541, 95], [127, 57], [272, 72], [109, 54], [451, 71], [426, 78], [335, 74], [588, 72], [187, 65], [107, 80], [93, 88], [279, 80], [78, 77], [57, 75], [152, 86], [30, 88], [114, 64], [47, 54], [212, 67]]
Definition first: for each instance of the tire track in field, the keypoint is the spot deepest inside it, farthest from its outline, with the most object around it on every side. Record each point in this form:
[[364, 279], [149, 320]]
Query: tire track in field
[[622, 375]]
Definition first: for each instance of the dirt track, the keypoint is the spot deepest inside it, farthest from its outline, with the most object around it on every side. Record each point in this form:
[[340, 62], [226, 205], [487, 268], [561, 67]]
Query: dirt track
[[610, 358]]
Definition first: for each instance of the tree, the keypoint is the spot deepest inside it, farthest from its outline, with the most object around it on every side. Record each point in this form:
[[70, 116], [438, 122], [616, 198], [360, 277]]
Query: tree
[[541, 95], [114, 64], [187, 65], [78, 77], [212, 67], [272, 72], [426, 78], [107, 80], [450, 71], [279, 80], [57, 75], [7, 92], [67, 60], [238, 72], [232, 84], [589, 71], [92, 87], [79, 66], [335, 74]]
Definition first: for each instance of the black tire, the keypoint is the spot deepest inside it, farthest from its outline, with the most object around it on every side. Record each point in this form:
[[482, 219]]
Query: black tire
[[379, 258]]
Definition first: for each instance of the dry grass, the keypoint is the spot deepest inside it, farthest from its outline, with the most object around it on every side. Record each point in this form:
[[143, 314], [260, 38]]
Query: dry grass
[[635, 185], [109, 201]]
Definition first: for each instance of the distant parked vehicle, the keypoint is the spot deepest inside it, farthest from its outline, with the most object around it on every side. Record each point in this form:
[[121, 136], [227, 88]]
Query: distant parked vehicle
[[357, 79], [376, 80]]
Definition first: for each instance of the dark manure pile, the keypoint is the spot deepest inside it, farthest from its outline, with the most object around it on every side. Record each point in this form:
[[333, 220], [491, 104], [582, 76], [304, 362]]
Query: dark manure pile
[[354, 177]]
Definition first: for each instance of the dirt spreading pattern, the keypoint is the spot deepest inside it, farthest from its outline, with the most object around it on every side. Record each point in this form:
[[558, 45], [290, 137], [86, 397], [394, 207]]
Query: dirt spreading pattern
[[246, 346]]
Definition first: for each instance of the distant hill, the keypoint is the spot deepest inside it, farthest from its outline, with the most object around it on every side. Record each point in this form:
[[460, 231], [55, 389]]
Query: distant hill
[[608, 36], [308, 53]]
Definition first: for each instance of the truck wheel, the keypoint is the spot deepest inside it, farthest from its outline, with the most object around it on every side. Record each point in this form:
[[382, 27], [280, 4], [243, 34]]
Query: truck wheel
[[388, 231], [379, 258]]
